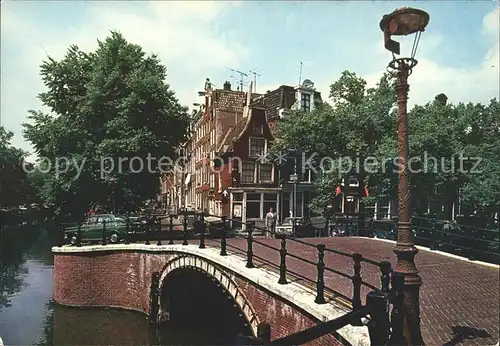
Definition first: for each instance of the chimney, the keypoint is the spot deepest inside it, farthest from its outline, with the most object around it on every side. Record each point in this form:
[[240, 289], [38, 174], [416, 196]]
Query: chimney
[[227, 86], [441, 98], [246, 110]]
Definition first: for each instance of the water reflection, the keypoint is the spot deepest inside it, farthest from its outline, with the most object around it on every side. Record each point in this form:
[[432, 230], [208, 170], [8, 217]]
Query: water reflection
[[28, 316]]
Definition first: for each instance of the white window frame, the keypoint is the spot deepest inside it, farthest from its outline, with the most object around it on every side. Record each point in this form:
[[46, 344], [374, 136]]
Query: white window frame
[[272, 173], [302, 95], [250, 146], [242, 181]]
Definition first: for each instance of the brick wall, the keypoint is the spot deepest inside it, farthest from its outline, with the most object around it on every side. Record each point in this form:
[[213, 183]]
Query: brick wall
[[284, 319], [118, 279], [122, 279]]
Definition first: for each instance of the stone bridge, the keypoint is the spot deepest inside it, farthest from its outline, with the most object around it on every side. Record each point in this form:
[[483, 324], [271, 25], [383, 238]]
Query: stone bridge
[[458, 300], [121, 275]]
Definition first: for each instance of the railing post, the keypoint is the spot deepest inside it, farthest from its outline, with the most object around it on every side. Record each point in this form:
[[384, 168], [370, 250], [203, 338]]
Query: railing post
[[320, 283], [158, 230], [171, 230], [153, 298], [385, 278], [148, 230], [379, 326], [223, 242], [433, 244], [356, 285], [104, 232], [127, 230], [201, 221], [264, 333], [250, 244], [356, 281], [282, 280], [185, 227], [79, 235], [397, 317]]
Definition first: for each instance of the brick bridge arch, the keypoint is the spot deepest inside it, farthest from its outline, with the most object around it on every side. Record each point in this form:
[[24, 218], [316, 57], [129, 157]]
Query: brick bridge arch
[[221, 275], [92, 276]]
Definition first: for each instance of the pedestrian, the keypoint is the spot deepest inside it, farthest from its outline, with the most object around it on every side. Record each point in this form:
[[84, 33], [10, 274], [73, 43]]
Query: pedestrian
[[270, 223]]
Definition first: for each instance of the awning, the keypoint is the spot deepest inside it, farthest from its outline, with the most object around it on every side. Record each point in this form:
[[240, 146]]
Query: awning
[[188, 179]]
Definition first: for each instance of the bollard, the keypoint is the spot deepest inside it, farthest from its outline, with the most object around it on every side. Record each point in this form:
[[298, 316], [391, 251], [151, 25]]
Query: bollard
[[201, 222], [397, 317], [385, 279], [127, 232], [379, 325], [79, 235], [103, 232], [282, 280], [250, 245], [185, 227], [171, 230], [320, 283], [223, 242], [158, 231]]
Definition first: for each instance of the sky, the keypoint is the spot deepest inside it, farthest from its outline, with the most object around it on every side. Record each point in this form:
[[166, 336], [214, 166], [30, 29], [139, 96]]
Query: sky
[[458, 53]]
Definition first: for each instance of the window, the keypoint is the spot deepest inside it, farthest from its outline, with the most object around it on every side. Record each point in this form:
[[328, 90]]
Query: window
[[305, 102], [306, 177], [248, 172], [253, 197], [353, 181], [258, 129], [266, 172], [257, 147], [253, 210]]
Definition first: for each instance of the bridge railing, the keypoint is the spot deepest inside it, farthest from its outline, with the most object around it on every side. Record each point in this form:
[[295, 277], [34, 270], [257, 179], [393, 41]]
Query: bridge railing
[[354, 275], [375, 311], [475, 243]]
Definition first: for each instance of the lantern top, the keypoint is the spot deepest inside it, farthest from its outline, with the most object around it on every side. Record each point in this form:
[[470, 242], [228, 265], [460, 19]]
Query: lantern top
[[404, 21]]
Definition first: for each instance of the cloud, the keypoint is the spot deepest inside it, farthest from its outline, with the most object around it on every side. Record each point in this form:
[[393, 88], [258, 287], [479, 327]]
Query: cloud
[[182, 33]]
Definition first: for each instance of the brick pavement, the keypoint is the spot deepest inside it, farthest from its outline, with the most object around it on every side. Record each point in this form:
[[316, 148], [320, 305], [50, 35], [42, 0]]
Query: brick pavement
[[459, 299]]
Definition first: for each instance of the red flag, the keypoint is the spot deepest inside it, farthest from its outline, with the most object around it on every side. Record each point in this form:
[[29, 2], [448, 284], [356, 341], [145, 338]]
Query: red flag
[[338, 191], [366, 191]]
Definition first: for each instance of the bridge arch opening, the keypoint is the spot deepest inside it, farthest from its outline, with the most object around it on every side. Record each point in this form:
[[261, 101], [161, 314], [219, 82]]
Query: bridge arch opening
[[195, 303]]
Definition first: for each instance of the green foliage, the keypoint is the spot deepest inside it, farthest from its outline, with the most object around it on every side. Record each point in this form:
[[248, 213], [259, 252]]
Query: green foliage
[[361, 123], [112, 103], [15, 188]]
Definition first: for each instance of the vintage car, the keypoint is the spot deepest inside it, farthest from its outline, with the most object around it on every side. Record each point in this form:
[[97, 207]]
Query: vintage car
[[116, 228], [303, 227]]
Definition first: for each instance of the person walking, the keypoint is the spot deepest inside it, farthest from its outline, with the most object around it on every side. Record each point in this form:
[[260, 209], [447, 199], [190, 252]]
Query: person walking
[[270, 222]]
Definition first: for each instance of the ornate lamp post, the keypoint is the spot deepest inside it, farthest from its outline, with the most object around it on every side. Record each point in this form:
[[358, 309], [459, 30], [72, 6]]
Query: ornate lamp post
[[403, 22]]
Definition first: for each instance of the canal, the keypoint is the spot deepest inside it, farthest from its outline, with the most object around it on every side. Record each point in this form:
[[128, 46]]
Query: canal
[[28, 316]]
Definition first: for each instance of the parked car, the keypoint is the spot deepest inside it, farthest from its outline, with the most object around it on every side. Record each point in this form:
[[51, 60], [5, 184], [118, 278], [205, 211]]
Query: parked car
[[303, 227], [116, 228]]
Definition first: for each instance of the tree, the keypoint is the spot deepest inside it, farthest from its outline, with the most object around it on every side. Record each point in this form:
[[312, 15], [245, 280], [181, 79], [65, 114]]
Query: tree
[[359, 123], [106, 105], [14, 186]]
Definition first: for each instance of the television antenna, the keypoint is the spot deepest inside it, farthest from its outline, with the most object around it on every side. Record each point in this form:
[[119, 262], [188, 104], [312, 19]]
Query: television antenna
[[300, 71], [242, 74], [255, 74]]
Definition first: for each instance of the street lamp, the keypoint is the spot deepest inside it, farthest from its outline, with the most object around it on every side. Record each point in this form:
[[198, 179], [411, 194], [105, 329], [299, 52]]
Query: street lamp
[[403, 22]]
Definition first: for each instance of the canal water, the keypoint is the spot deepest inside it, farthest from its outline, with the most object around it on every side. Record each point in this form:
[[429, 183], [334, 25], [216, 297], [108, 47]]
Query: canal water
[[28, 316]]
